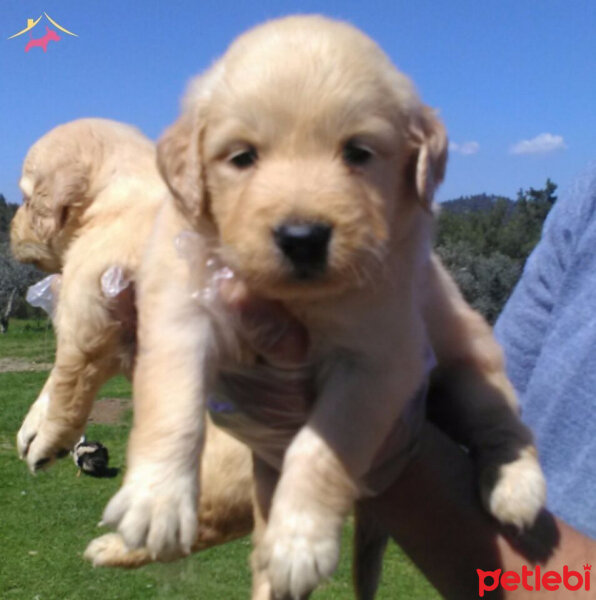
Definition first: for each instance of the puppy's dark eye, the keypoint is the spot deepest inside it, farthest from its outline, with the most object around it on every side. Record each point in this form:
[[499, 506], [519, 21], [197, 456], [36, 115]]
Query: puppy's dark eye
[[355, 154], [245, 158]]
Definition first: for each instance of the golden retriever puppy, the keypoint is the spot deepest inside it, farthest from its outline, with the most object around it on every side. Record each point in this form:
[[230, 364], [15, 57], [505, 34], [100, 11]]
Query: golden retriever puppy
[[307, 164], [91, 193]]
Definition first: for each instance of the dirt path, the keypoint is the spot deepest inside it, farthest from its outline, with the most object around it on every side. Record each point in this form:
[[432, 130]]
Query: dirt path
[[22, 364], [106, 411], [109, 411]]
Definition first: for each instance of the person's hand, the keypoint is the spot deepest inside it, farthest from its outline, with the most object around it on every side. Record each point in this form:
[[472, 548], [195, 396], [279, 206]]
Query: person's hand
[[268, 328], [268, 402]]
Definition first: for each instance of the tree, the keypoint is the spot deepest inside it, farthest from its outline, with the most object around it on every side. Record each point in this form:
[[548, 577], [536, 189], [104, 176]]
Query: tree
[[7, 212], [485, 281], [485, 241], [5, 316], [15, 278]]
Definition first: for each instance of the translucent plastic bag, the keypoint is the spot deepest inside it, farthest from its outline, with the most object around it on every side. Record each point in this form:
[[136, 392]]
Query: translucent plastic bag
[[44, 294], [114, 281]]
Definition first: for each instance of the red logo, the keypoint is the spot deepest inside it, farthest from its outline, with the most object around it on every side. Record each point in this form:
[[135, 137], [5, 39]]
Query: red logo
[[489, 581]]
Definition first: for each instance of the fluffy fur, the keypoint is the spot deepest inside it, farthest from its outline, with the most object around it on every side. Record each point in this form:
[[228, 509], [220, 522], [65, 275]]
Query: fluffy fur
[[91, 193], [267, 138], [306, 121]]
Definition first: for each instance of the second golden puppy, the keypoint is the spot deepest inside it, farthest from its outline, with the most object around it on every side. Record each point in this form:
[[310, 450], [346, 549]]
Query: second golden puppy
[[91, 194]]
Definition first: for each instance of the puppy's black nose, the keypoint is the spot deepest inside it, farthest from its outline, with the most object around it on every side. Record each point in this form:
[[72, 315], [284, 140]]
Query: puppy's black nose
[[305, 245]]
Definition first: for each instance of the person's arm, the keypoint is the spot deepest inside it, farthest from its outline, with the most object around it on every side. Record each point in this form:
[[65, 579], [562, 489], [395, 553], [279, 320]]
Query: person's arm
[[434, 513], [524, 323]]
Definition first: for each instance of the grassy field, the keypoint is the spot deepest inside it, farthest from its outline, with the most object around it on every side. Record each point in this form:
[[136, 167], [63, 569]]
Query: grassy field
[[30, 340], [48, 520]]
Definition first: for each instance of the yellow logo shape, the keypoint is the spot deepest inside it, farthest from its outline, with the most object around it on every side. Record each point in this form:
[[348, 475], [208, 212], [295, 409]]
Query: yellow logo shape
[[32, 23]]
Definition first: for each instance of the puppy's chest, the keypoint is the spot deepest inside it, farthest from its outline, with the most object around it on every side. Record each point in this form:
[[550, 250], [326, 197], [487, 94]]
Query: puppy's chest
[[350, 327], [264, 406]]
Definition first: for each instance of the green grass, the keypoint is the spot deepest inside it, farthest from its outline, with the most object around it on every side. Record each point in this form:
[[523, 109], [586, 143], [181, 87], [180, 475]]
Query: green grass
[[46, 522], [28, 339]]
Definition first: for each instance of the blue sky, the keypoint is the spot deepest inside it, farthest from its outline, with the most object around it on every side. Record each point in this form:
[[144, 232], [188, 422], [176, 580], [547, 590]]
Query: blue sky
[[514, 81]]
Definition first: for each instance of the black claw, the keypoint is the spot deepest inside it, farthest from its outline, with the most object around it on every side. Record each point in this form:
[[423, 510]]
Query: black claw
[[28, 445], [42, 462]]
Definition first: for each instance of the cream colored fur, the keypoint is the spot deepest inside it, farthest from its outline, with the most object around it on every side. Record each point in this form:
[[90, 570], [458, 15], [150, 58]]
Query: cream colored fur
[[295, 93], [91, 192], [292, 94]]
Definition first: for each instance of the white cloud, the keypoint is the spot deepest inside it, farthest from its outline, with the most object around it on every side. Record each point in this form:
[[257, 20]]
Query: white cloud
[[541, 144], [465, 148]]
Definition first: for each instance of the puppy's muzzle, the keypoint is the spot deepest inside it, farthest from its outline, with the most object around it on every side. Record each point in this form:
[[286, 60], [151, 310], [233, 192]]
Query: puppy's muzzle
[[305, 246]]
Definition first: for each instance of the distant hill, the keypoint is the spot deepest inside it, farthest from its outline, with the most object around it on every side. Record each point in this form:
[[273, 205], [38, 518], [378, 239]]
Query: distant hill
[[476, 203]]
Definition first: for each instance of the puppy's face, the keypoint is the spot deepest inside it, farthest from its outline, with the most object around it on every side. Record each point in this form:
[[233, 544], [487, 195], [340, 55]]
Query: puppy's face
[[52, 181], [307, 141], [26, 241]]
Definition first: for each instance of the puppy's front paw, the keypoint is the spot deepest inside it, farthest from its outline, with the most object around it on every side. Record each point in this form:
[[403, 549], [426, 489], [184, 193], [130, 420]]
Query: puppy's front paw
[[109, 550], [300, 548], [516, 493], [31, 423], [40, 441], [156, 508]]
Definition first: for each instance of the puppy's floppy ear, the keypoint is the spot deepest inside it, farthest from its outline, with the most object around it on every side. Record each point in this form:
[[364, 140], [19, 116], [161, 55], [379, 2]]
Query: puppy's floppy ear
[[179, 163], [430, 158], [179, 157], [69, 192]]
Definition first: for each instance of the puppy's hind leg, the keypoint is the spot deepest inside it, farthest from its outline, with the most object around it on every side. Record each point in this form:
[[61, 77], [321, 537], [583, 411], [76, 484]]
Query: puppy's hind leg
[[370, 542], [473, 401], [85, 359], [264, 482]]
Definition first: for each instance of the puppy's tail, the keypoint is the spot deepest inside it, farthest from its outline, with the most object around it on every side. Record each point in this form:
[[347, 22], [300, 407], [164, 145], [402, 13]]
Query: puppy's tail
[[370, 541]]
